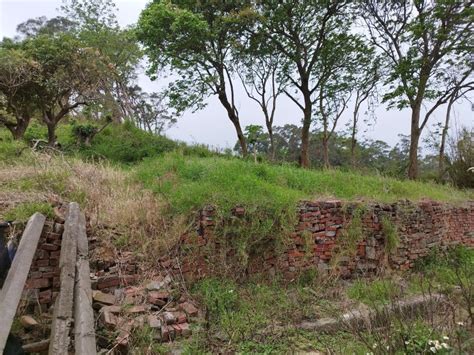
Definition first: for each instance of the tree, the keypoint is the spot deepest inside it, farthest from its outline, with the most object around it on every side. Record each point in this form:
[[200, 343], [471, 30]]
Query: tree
[[254, 134], [18, 73], [70, 75], [461, 158], [45, 26], [197, 39], [419, 39], [461, 86], [97, 26], [340, 60], [150, 110], [299, 31], [258, 72], [365, 82]]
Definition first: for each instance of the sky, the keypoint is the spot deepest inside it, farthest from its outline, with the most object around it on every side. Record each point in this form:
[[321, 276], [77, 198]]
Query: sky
[[211, 125]]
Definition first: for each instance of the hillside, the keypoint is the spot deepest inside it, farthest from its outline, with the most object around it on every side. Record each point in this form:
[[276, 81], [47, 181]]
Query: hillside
[[143, 199]]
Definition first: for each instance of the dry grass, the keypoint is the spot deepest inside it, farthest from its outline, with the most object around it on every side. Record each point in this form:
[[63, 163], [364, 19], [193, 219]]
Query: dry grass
[[119, 210]]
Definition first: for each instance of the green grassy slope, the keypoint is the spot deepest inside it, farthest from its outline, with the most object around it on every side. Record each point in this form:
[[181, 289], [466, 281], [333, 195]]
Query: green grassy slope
[[189, 182]]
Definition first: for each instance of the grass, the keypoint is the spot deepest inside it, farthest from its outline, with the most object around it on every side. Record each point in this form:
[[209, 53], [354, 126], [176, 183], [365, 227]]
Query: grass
[[189, 182], [23, 211], [373, 292]]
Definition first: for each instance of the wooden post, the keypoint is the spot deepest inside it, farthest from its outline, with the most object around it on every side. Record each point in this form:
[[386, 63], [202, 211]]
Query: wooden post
[[63, 315], [15, 282], [84, 334]]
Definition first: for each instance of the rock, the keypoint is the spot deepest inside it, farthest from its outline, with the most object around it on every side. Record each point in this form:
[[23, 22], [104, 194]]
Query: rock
[[154, 321], [28, 322], [168, 318], [189, 308], [104, 298]]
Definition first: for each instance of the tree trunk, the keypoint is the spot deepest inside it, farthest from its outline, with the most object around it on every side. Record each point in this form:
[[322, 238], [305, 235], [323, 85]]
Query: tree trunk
[[51, 133], [327, 164], [235, 120], [414, 141], [444, 135], [272, 144], [353, 140], [304, 158], [18, 129]]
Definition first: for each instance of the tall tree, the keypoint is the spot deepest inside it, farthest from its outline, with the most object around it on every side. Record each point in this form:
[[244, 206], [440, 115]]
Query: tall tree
[[259, 74], [197, 39], [341, 59], [419, 39], [366, 78], [18, 73], [299, 31], [461, 87], [97, 25], [71, 74]]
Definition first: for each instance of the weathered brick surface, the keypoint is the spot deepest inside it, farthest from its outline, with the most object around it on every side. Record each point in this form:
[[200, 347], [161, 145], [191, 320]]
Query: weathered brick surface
[[318, 238], [43, 279]]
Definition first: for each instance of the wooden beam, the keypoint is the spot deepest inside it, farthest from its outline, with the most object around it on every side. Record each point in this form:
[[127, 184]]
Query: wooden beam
[[15, 282], [84, 334], [63, 314]]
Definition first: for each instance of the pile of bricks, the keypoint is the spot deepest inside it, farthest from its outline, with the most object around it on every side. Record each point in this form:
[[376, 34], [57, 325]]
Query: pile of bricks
[[320, 231], [156, 304]]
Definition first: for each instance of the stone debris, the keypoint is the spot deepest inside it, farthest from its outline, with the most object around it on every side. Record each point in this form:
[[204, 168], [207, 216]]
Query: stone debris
[[104, 298], [122, 302]]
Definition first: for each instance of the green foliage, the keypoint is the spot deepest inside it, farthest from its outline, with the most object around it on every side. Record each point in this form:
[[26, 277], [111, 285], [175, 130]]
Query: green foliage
[[390, 232], [22, 212], [373, 292], [10, 149], [125, 143], [448, 268]]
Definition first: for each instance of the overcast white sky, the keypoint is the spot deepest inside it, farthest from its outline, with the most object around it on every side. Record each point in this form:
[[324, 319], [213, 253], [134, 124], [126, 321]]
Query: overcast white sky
[[211, 125]]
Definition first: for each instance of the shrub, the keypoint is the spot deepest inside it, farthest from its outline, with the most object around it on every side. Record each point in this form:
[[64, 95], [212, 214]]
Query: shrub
[[125, 143]]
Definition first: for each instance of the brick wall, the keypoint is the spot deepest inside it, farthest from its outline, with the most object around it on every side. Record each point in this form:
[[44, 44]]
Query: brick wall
[[319, 240], [42, 285]]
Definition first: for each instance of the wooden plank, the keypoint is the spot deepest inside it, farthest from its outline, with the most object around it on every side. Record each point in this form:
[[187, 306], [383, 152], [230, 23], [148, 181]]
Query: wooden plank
[[15, 282], [63, 314], [84, 333]]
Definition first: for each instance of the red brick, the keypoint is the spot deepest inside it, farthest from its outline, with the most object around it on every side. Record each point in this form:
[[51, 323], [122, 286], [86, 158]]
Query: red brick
[[50, 247]]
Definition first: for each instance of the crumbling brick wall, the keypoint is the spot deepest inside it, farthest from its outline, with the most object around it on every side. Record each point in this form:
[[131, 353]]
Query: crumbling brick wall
[[319, 234], [42, 285]]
